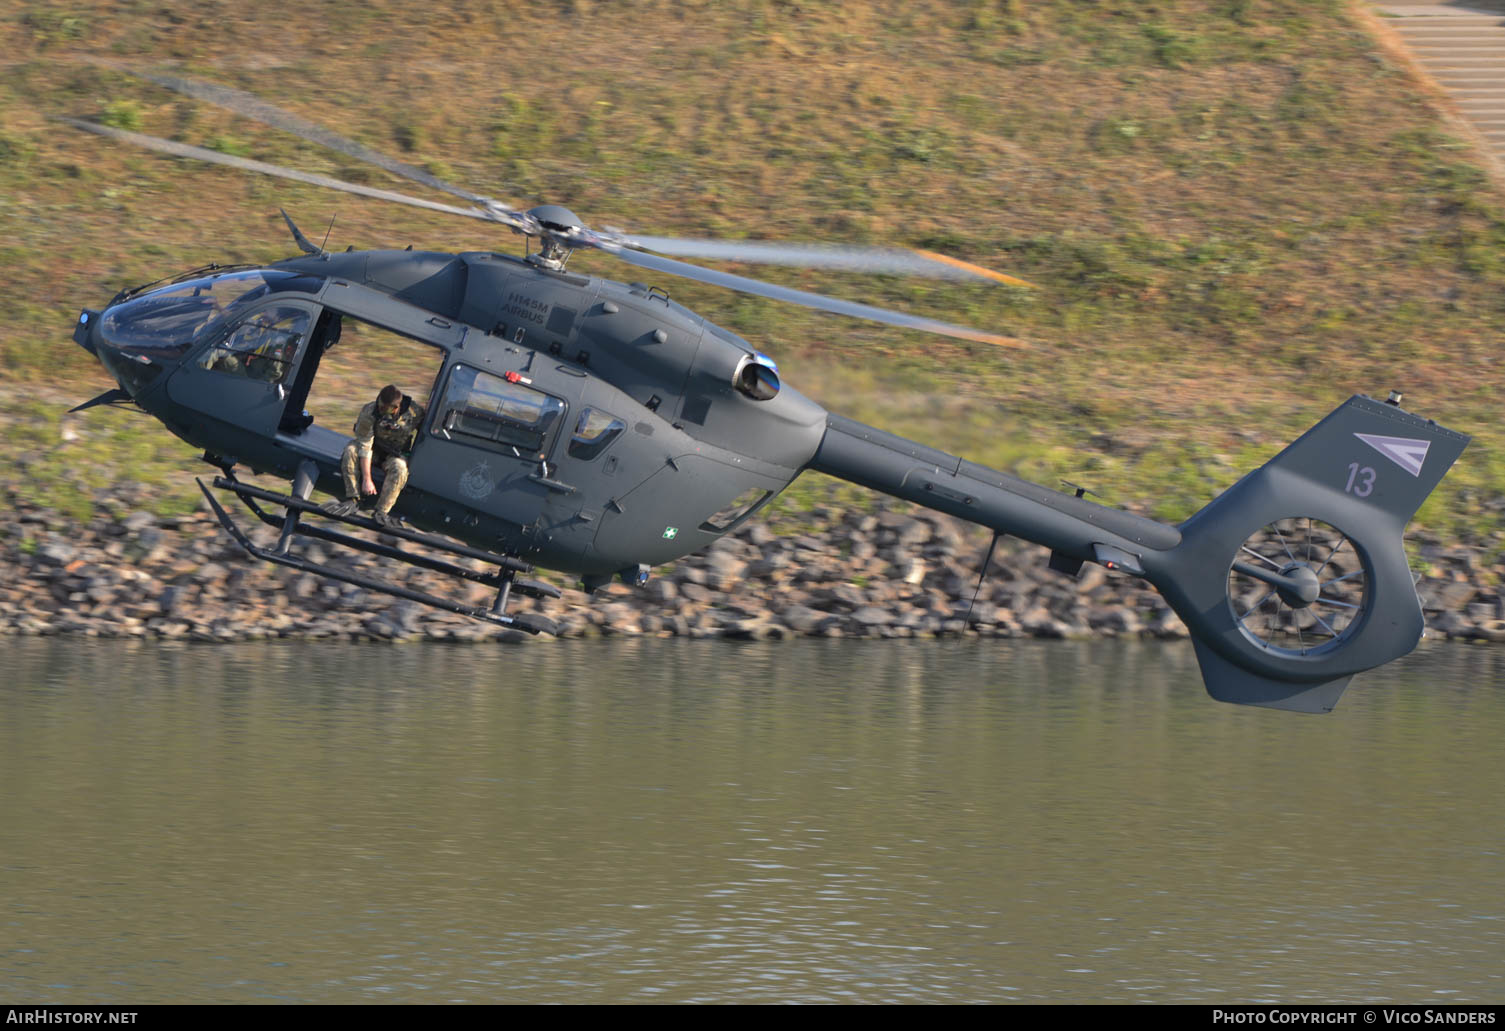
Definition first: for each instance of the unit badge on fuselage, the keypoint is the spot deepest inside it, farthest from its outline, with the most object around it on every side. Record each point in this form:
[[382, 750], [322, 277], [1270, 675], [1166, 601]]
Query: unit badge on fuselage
[[477, 483]]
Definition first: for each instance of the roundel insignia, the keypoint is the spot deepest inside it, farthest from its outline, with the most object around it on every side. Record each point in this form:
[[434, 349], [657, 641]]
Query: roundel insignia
[[477, 483], [671, 532]]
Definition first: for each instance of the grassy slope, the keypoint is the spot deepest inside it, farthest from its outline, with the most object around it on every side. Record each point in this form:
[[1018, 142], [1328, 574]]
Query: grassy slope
[[1238, 211]]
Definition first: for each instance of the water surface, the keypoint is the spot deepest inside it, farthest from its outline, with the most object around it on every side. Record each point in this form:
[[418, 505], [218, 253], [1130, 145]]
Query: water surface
[[708, 821]]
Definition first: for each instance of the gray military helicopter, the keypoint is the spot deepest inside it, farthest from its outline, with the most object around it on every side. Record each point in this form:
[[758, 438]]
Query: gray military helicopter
[[600, 429]]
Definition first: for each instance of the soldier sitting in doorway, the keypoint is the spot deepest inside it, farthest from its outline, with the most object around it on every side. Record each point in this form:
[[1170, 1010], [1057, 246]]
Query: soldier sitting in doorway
[[385, 433]]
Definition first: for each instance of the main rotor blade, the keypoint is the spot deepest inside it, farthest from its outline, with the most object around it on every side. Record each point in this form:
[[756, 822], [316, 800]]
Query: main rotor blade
[[254, 107], [858, 259], [312, 178], [803, 297]]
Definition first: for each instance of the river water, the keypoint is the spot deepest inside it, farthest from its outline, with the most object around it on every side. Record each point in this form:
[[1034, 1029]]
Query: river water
[[670, 820]]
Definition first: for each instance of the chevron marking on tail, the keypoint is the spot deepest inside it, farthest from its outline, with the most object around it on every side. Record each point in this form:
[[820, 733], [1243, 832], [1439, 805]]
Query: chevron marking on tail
[[1405, 452]]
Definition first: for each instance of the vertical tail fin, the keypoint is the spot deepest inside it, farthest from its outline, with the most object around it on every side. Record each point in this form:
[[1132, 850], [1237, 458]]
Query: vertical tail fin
[[1296, 577]]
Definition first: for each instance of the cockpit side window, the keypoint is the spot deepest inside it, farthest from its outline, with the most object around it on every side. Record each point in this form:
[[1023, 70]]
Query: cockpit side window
[[594, 432], [263, 347]]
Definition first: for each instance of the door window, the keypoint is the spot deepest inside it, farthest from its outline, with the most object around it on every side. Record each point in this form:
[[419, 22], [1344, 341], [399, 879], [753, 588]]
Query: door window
[[480, 408]]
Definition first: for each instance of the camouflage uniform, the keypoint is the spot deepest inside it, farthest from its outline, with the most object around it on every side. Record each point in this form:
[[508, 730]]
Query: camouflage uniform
[[388, 439]]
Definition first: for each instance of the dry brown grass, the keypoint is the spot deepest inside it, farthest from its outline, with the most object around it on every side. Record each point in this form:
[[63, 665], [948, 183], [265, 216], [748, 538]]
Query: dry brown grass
[[1239, 211]]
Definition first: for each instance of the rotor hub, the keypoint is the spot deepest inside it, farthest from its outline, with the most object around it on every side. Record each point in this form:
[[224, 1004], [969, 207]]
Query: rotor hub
[[559, 227], [1307, 585], [556, 217]]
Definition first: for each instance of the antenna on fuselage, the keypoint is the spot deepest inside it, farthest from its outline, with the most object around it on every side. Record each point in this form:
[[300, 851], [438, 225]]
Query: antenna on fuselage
[[327, 232]]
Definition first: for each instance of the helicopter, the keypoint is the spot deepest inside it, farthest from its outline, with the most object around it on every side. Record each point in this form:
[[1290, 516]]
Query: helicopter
[[600, 429]]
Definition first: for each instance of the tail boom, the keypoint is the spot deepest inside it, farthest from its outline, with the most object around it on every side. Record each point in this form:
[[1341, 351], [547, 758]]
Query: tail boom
[[1003, 503], [1353, 481]]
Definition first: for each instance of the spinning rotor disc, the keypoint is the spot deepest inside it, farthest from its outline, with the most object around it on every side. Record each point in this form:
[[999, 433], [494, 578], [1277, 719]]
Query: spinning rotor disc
[[1323, 599], [560, 231]]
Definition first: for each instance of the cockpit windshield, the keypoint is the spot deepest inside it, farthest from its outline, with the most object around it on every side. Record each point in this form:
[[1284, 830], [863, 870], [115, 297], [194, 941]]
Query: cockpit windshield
[[167, 322]]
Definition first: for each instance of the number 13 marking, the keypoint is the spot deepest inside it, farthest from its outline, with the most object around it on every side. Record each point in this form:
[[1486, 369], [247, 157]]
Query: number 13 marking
[[1360, 481]]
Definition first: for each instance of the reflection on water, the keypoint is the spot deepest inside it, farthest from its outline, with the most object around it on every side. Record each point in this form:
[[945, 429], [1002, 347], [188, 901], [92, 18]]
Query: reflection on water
[[673, 820]]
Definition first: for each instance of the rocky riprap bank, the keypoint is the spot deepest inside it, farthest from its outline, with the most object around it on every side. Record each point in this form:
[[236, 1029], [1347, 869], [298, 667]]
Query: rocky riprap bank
[[129, 573]]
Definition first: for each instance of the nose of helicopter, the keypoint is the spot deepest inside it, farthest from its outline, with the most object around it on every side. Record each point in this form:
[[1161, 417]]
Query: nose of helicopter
[[134, 372], [85, 331]]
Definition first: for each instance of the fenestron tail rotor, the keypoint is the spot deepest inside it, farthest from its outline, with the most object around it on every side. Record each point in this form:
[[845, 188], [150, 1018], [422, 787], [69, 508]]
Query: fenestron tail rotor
[[560, 232], [1296, 578], [1298, 587]]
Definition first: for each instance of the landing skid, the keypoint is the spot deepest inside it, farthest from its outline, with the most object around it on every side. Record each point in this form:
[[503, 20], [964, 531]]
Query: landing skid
[[504, 579]]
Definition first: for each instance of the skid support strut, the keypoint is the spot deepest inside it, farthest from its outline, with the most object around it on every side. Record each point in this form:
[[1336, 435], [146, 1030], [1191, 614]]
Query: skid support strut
[[502, 594], [303, 488]]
